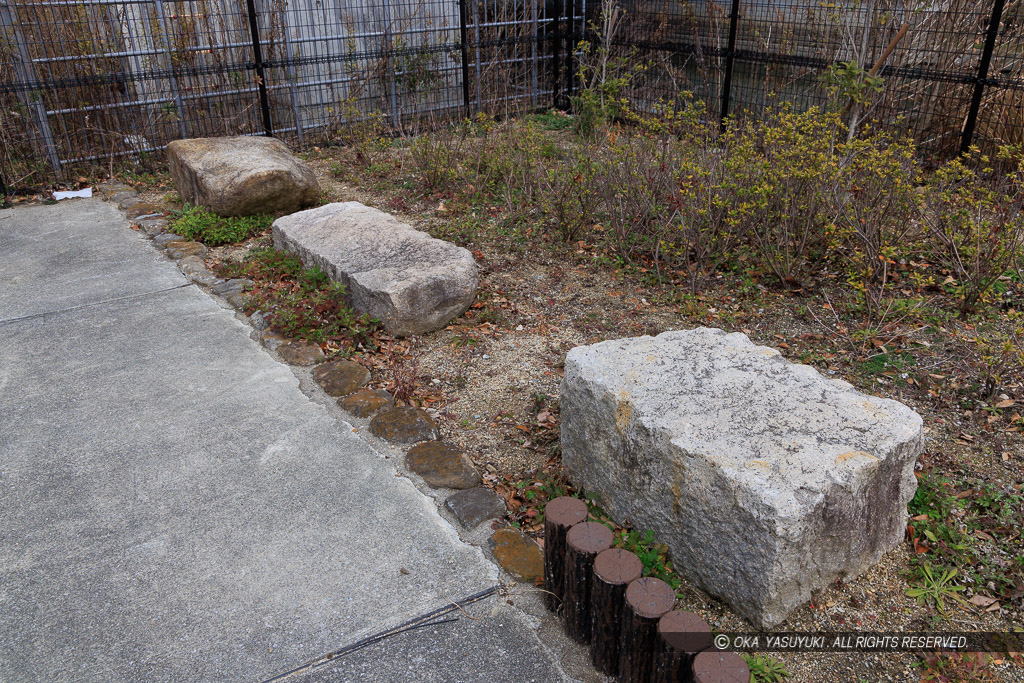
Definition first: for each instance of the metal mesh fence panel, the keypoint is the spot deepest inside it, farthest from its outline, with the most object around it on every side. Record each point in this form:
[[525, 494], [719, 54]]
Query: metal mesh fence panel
[[112, 81], [107, 81]]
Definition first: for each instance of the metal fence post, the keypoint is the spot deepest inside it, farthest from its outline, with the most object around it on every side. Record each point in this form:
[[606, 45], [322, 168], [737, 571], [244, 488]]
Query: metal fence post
[[161, 17], [257, 51], [967, 138], [570, 47], [32, 99], [556, 53], [464, 40], [730, 56]]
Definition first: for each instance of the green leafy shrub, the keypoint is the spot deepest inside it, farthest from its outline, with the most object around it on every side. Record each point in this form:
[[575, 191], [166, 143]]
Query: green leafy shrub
[[199, 223], [791, 170]]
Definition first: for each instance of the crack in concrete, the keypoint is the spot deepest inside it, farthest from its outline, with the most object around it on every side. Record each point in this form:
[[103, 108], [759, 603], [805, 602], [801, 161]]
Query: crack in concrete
[[46, 314]]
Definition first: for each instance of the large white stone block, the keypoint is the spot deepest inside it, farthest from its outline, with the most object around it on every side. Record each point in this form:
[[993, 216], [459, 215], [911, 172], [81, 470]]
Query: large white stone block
[[411, 281], [767, 480]]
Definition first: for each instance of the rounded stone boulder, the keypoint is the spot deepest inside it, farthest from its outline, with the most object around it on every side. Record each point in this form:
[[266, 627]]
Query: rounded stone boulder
[[241, 176], [341, 377], [518, 555], [403, 425], [442, 465], [365, 402]]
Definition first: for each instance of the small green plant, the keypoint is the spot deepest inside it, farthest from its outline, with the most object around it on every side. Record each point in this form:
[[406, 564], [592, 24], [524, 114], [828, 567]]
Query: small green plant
[[935, 587], [199, 223], [653, 555], [1001, 355], [765, 669], [301, 302]]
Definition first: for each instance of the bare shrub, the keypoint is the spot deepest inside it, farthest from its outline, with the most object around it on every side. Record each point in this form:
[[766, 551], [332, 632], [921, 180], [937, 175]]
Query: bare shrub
[[975, 220]]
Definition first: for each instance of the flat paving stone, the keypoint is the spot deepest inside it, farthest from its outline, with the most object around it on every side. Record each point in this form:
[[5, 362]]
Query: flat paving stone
[[166, 238], [195, 269], [518, 554], [141, 208], [442, 465], [366, 402], [182, 249], [232, 286], [476, 505], [403, 425], [301, 353], [340, 377]]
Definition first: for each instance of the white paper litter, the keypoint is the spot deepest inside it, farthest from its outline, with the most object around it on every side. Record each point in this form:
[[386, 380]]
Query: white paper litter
[[71, 194]]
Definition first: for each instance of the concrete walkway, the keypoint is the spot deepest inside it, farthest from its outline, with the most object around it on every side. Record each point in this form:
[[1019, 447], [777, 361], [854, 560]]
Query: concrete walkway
[[173, 506]]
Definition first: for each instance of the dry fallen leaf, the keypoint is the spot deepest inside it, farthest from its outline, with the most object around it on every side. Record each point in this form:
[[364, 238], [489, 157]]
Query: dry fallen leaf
[[981, 600]]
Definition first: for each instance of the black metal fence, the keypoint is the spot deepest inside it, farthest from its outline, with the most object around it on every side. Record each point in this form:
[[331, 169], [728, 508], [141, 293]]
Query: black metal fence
[[952, 70], [112, 81], [108, 81]]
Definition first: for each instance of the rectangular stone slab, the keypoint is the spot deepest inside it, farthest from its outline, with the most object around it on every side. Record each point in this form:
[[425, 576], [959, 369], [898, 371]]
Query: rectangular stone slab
[[767, 480], [409, 280]]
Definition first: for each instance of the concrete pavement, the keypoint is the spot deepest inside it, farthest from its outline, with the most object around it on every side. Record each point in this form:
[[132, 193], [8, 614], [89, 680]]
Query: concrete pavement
[[174, 508]]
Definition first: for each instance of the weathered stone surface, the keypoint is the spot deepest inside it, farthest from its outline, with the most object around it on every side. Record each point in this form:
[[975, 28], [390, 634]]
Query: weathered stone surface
[[166, 238], [301, 353], [476, 505], [237, 300], [365, 402], [260, 320], [141, 208], [181, 249], [232, 286], [407, 279], [341, 377], [271, 339], [194, 268], [111, 187], [518, 555], [766, 480], [241, 176], [442, 465], [125, 198], [404, 425], [152, 226]]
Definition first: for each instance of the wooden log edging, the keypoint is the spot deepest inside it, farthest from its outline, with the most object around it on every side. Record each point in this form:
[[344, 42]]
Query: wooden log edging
[[582, 545], [560, 515], [647, 599], [681, 636], [714, 666], [614, 569]]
